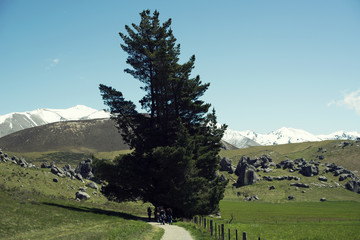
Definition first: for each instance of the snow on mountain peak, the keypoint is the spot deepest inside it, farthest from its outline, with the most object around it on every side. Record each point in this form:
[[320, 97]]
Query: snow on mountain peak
[[285, 135], [13, 122]]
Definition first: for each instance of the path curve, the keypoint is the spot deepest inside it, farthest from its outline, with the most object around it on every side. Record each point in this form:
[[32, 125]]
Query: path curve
[[173, 232]]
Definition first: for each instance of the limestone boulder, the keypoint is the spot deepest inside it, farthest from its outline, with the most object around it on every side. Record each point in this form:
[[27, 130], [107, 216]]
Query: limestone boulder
[[82, 195]]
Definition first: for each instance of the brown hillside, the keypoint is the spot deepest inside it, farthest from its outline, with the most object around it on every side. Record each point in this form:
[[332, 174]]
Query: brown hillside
[[99, 135]]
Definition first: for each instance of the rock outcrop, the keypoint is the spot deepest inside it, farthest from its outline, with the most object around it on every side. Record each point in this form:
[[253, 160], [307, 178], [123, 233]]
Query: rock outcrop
[[85, 169], [226, 165], [246, 173]]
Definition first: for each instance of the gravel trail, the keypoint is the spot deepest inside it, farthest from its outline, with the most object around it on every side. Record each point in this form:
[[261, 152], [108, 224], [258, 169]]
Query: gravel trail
[[173, 232]]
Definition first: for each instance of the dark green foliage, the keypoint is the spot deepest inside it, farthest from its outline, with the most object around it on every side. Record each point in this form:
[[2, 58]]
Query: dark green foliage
[[176, 143]]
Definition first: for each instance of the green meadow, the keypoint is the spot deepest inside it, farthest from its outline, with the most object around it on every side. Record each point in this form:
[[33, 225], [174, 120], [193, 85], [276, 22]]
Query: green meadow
[[33, 206], [293, 220], [275, 217]]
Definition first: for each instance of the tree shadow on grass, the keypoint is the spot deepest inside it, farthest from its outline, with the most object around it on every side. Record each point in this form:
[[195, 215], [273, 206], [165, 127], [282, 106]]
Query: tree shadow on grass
[[96, 211]]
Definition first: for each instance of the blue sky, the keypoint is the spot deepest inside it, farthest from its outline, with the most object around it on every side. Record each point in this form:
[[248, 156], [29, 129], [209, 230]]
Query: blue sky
[[270, 63]]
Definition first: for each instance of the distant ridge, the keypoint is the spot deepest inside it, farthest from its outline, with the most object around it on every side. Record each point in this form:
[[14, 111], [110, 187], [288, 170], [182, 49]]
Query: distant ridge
[[97, 135], [17, 121], [13, 122], [286, 135]]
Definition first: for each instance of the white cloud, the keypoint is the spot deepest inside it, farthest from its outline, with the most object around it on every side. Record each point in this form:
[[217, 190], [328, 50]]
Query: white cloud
[[351, 100], [331, 103], [52, 63]]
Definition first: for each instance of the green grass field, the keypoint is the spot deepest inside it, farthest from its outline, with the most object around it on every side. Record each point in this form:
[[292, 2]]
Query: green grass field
[[273, 216], [61, 158], [296, 221], [33, 206], [25, 216], [293, 220]]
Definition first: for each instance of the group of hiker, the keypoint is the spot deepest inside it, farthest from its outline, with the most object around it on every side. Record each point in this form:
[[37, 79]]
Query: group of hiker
[[161, 214]]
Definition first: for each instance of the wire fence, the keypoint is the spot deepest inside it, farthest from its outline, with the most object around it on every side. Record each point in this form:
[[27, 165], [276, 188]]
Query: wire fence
[[220, 231]]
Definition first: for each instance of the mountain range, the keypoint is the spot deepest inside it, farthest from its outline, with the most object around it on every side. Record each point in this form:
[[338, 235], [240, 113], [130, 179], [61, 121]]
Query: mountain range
[[283, 136], [14, 122]]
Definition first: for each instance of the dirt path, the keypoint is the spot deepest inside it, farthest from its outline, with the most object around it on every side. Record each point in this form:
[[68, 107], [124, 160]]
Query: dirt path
[[173, 232]]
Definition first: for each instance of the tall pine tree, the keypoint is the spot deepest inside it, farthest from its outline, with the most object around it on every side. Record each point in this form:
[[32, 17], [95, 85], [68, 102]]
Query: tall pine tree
[[176, 142]]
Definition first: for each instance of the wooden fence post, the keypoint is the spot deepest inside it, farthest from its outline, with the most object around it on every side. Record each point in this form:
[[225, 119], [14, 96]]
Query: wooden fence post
[[229, 233], [215, 230], [236, 234], [219, 231], [211, 227], [244, 236], [222, 232], [205, 223]]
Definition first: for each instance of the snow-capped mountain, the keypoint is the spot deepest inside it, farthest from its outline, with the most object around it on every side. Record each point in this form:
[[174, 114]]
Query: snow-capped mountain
[[17, 121], [285, 135], [238, 139], [340, 135], [14, 122], [282, 136]]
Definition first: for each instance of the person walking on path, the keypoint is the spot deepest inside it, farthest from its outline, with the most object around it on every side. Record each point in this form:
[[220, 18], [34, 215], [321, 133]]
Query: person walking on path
[[158, 214], [162, 216], [149, 213], [169, 215]]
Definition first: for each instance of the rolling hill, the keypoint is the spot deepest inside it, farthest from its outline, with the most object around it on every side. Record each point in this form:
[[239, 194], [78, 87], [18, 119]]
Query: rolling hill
[[13, 122], [97, 135]]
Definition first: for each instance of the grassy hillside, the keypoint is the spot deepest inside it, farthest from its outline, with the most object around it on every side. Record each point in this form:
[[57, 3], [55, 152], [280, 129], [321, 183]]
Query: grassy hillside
[[61, 158], [273, 216], [87, 136], [33, 206], [333, 151], [36, 207]]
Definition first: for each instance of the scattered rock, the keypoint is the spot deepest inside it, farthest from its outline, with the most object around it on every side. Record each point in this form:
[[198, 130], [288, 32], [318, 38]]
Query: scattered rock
[[79, 177], [44, 165], [92, 185], [82, 195], [309, 170], [55, 180], [55, 170], [226, 165], [268, 178], [302, 185], [85, 169], [255, 197], [353, 186], [323, 199], [322, 178], [271, 187], [247, 174], [291, 197], [222, 178], [343, 176]]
